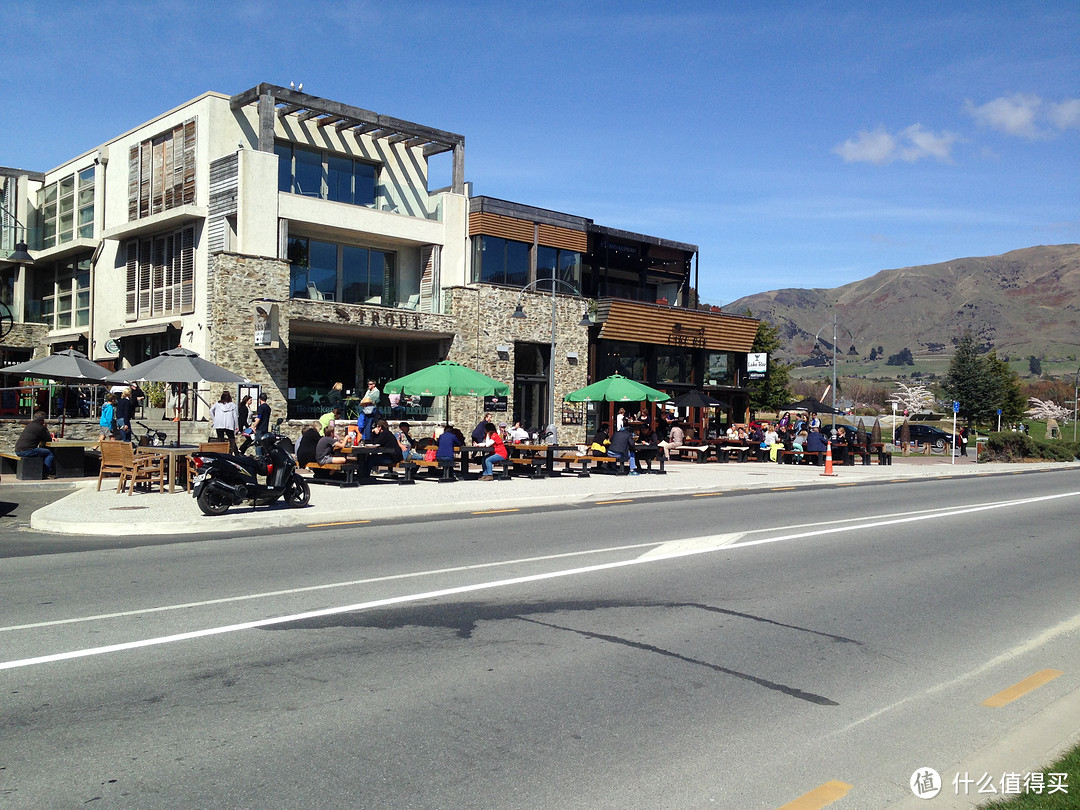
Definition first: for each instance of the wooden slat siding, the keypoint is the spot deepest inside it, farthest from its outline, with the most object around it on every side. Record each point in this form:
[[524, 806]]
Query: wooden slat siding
[[429, 280], [133, 183], [224, 192], [186, 248], [188, 196], [132, 287], [648, 323], [565, 238]]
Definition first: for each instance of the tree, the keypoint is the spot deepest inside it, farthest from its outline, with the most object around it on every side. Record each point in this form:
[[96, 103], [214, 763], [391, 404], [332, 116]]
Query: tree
[[982, 384], [770, 394], [1035, 365], [902, 358], [912, 397]]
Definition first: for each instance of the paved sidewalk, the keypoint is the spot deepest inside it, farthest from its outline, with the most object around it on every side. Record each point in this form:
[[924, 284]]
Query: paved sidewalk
[[88, 512]]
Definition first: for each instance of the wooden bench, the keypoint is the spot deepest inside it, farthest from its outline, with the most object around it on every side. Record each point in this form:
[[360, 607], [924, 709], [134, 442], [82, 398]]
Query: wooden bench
[[740, 454], [815, 457], [568, 461], [536, 466], [29, 468], [338, 475], [695, 452], [445, 466], [866, 455]]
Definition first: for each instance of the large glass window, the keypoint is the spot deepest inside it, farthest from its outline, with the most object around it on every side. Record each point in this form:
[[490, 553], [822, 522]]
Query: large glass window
[[500, 261], [57, 204], [720, 369], [674, 366], [315, 173], [325, 271], [564, 265], [627, 359], [60, 294]]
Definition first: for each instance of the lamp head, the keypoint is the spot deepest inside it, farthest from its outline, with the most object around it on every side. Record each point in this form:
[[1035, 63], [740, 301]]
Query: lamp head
[[21, 254], [518, 312]]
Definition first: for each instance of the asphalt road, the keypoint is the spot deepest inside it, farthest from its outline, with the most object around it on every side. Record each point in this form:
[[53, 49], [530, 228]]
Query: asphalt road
[[728, 651]]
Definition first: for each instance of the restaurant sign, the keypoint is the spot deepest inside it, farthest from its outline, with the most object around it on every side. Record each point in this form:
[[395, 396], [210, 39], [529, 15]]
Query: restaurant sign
[[757, 365]]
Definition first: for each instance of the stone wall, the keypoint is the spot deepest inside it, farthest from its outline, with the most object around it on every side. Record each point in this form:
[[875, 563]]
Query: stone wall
[[28, 336], [483, 322]]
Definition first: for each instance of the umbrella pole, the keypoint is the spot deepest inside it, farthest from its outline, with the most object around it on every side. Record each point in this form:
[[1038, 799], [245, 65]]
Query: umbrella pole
[[63, 412]]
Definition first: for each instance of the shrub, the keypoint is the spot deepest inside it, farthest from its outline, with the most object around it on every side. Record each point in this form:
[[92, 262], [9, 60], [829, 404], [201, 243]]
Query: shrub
[[1020, 446]]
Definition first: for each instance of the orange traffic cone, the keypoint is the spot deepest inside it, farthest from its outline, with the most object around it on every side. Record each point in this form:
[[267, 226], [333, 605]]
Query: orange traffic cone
[[828, 460]]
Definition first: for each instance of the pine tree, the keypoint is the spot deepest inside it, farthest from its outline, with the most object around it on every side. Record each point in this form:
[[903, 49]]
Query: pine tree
[[770, 394], [982, 384]]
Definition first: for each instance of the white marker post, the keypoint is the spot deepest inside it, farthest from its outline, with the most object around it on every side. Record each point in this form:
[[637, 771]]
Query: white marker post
[[955, 409]]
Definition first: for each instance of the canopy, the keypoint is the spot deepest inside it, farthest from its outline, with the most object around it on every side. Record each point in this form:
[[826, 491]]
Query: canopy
[[69, 365], [176, 366], [617, 388], [810, 405], [698, 399], [444, 379]]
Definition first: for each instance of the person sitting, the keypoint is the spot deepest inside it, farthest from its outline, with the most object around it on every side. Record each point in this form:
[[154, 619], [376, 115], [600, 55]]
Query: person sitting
[[798, 444], [446, 441], [518, 434], [405, 442], [732, 433], [815, 442], [600, 440], [622, 448], [390, 451], [326, 451], [646, 434], [330, 418], [32, 441], [305, 447], [675, 439], [499, 451]]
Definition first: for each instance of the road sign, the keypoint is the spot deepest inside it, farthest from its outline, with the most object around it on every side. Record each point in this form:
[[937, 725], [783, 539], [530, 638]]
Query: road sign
[[956, 407]]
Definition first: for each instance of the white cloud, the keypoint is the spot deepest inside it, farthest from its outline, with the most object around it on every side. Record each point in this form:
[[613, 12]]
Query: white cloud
[[1026, 115], [910, 144]]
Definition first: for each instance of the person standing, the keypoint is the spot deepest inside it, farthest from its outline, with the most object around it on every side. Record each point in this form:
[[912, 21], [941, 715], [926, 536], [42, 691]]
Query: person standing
[[32, 441], [107, 421], [125, 409], [259, 427], [479, 433], [369, 407], [963, 441], [225, 421]]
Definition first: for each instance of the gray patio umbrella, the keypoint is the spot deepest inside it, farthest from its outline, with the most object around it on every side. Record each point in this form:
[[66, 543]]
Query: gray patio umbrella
[[177, 365], [69, 365], [812, 406]]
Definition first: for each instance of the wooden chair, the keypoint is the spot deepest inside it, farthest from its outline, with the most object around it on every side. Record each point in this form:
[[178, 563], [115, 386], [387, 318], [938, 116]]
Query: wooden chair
[[120, 458], [204, 447]]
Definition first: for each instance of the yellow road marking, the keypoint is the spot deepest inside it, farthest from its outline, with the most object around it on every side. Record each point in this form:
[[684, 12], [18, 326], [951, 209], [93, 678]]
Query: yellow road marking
[[847, 484], [820, 796], [602, 503], [495, 511], [1029, 684], [781, 489], [339, 523], [706, 494]]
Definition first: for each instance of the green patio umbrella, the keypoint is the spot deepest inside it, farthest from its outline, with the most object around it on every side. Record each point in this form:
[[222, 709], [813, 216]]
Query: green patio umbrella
[[445, 379], [617, 388]]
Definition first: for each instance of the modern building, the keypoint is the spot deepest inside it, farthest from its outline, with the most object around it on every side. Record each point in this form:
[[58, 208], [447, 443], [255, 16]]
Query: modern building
[[304, 242]]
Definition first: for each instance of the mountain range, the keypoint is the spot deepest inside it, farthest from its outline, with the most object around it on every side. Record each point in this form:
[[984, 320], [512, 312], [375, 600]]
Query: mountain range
[[1022, 303]]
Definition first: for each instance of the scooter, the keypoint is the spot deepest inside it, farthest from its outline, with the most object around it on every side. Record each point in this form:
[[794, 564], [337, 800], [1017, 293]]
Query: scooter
[[223, 480]]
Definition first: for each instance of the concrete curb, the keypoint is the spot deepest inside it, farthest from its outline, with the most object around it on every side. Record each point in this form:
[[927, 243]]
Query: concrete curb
[[92, 513]]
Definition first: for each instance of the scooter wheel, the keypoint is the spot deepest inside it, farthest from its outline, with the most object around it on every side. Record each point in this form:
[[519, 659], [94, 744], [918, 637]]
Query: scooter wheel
[[213, 503], [297, 493]]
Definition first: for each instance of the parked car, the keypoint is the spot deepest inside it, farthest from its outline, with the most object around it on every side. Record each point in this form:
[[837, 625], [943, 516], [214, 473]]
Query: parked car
[[928, 434]]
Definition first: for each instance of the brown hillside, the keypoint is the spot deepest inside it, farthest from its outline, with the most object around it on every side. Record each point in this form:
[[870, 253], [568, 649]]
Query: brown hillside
[[1025, 302]]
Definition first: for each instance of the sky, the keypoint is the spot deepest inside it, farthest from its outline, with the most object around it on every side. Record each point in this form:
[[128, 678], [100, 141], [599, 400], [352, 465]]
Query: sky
[[797, 144]]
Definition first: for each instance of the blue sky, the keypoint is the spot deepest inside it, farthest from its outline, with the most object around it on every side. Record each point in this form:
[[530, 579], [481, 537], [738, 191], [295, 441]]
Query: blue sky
[[798, 144]]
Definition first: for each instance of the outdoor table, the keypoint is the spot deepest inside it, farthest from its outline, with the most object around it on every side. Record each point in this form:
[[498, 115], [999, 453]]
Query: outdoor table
[[69, 457], [172, 453], [468, 450], [361, 453], [723, 445]]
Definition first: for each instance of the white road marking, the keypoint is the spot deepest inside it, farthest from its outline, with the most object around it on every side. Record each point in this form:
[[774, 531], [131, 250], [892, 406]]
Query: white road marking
[[692, 544], [502, 583]]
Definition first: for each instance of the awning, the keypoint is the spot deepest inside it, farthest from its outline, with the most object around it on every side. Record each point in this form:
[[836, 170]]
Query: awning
[[70, 337], [144, 329], [636, 322]]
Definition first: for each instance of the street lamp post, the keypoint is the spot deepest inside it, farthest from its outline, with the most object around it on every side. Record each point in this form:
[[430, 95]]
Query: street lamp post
[[833, 389], [519, 313], [1076, 390]]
